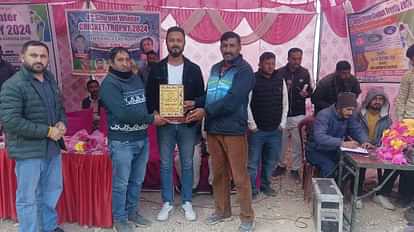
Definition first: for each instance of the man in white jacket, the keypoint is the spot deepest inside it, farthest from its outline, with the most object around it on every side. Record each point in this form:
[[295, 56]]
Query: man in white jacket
[[268, 111]]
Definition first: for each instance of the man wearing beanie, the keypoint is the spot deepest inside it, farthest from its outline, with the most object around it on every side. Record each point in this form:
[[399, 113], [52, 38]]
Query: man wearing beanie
[[329, 87], [334, 127]]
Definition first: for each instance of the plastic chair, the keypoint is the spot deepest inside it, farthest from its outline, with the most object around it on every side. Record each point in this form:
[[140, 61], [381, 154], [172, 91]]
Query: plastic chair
[[309, 171]]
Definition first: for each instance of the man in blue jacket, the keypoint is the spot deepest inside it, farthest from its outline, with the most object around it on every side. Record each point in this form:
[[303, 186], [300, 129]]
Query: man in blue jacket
[[123, 96], [334, 127], [34, 120], [225, 110]]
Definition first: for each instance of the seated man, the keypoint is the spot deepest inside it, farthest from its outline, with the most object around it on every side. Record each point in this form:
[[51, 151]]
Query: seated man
[[375, 119], [332, 128], [93, 101]]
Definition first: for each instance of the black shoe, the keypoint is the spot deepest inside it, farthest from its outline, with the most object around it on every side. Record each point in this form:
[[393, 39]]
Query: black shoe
[[404, 202], [58, 229], [278, 171], [139, 220], [268, 191], [409, 215], [255, 194], [295, 174]]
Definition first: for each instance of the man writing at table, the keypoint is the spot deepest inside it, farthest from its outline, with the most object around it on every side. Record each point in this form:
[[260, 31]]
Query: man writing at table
[[34, 121], [334, 127]]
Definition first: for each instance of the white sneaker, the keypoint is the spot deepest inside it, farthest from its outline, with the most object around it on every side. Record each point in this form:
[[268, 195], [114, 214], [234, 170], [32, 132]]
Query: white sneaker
[[359, 204], [189, 213], [384, 202], [165, 212]]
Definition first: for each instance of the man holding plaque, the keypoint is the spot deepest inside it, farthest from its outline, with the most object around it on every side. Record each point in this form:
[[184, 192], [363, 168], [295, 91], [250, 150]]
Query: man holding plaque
[[228, 88], [175, 85], [123, 96]]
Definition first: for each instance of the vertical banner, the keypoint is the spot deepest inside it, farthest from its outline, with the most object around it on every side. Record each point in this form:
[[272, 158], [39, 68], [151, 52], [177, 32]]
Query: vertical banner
[[93, 33], [21, 23], [379, 38]]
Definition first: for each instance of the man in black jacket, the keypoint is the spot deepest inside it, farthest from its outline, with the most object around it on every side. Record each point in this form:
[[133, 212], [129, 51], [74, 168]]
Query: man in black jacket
[[34, 121], [176, 69], [298, 83], [268, 111], [328, 89]]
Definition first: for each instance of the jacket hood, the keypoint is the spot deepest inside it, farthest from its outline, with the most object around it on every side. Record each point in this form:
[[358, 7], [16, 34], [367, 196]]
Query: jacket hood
[[372, 93]]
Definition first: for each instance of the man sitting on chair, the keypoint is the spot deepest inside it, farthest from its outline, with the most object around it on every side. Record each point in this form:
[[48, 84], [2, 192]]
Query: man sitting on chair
[[375, 118], [334, 127]]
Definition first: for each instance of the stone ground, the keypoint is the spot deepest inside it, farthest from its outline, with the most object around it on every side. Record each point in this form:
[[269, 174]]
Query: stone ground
[[287, 212]]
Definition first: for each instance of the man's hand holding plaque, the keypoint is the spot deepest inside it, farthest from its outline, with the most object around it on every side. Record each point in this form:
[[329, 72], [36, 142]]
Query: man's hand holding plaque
[[172, 102]]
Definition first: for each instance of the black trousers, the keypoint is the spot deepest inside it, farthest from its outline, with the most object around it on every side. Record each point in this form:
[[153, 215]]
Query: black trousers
[[406, 186]]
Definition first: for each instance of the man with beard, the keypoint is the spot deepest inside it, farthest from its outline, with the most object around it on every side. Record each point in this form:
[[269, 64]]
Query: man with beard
[[225, 109], [375, 118], [34, 121], [123, 96], [334, 127], [176, 69], [299, 84]]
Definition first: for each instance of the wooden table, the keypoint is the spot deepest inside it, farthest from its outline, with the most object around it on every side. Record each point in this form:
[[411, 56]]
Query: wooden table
[[351, 164]]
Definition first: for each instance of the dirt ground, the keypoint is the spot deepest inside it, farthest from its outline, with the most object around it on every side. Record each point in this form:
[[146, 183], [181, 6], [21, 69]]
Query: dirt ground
[[287, 212]]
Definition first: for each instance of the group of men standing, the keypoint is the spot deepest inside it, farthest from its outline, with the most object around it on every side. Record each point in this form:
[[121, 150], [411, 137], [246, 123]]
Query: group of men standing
[[268, 104]]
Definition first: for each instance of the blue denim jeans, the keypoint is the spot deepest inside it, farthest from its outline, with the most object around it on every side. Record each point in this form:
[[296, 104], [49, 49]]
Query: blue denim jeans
[[264, 148], [168, 136], [129, 164], [39, 185], [326, 161]]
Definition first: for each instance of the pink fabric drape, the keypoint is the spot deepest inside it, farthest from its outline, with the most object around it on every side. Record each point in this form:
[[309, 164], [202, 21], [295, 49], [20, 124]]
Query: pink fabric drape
[[336, 15], [218, 4], [283, 30], [337, 20], [205, 25]]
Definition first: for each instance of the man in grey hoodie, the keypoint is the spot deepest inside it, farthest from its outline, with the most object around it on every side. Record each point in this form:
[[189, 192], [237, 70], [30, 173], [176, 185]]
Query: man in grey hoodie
[[374, 116]]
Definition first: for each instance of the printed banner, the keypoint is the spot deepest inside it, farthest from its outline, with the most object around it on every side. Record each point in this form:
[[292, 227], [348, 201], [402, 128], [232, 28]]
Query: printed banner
[[93, 33], [21, 23], [379, 39]]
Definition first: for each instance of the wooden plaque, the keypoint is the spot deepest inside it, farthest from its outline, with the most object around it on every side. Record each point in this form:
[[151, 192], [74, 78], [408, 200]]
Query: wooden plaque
[[172, 101]]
